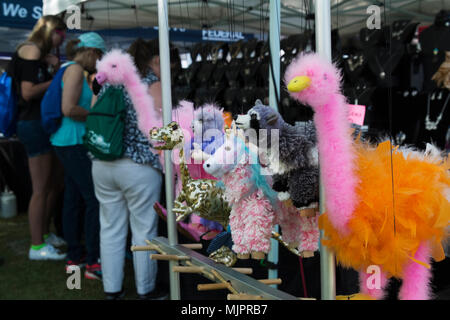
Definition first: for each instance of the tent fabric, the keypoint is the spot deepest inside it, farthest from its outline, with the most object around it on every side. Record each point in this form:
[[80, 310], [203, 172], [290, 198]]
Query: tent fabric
[[247, 16]]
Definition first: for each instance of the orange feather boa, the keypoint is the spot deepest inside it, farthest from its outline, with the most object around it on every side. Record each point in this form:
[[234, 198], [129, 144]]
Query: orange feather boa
[[419, 208]]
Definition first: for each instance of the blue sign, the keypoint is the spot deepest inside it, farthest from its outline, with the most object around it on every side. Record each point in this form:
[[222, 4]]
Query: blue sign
[[177, 34], [21, 14]]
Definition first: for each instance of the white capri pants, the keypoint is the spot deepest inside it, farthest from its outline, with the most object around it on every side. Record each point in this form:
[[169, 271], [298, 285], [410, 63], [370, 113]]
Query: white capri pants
[[126, 192]]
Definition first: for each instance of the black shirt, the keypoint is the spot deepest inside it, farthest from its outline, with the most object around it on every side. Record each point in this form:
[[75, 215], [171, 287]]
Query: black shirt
[[34, 71]]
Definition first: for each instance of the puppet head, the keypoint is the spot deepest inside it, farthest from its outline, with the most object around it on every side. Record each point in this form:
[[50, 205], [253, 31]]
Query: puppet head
[[116, 67], [167, 137], [311, 80], [227, 157], [260, 117], [208, 119]]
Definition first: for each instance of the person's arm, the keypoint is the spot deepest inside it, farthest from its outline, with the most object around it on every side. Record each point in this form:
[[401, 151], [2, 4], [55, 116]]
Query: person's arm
[[32, 91], [155, 91], [73, 84], [29, 89]]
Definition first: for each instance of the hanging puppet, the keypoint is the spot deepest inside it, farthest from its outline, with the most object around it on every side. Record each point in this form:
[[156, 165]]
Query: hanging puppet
[[376, 215], [255, 206], [208, 132], [292, 160], [249, 195], [118, 68], [200, 196]]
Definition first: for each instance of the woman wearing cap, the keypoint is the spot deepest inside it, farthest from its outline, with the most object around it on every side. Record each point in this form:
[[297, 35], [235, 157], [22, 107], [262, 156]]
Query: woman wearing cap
[[68, 144], [30, 67]]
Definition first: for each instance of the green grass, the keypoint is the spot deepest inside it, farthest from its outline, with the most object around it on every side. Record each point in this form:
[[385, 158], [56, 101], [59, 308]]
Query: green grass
[[23, 279]]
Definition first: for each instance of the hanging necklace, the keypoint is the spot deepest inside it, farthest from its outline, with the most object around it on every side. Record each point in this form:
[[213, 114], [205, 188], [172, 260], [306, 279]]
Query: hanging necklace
[[382, 74], [432, 125], [356, 95], [397, 34], [355, 61]]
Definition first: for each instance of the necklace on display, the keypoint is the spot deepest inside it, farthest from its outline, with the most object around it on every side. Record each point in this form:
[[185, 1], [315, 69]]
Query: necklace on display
[[382, 74], [357, 96], [397, 34], [433, 125]]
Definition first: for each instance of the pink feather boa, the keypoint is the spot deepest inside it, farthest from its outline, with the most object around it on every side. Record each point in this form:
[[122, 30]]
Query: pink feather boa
[[336, 153], [118, 68]]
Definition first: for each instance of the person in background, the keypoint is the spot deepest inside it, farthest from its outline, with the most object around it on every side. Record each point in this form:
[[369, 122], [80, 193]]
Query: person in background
[[68, 144], [127, 189], [154, 73], [31, 64]]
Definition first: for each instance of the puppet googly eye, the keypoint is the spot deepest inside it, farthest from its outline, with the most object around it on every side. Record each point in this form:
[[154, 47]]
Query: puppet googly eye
[[114, 66], [227, 148]]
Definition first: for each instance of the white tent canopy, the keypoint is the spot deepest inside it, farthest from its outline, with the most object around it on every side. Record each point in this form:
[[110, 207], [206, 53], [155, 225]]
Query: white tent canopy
[[240, 15], [247, 16]]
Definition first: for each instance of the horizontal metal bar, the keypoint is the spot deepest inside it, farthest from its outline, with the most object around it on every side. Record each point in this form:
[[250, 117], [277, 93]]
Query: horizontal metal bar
[[242, 283]]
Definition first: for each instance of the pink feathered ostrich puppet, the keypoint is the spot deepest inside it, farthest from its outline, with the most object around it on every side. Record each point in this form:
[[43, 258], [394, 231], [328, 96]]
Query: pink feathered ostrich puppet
[[117, 68], [385, 207]]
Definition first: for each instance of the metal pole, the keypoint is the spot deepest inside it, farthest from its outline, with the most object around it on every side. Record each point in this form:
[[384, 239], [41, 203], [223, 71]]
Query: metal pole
[[323, 47], [274, 90], [164, 56]]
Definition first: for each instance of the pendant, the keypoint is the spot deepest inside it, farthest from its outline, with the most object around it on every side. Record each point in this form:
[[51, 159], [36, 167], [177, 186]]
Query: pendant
[[429, 125], [435, 55]]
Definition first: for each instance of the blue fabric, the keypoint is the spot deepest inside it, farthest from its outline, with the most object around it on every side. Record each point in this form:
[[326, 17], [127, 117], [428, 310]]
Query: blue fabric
[[34, 138], [71, 132], [222, 239], [91, 40], [79, 189], [51, 109], [258, 180], [8, 109]]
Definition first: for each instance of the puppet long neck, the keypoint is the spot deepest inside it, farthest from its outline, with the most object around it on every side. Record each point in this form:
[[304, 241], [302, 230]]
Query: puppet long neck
[[143, 104], [184, 171], [337, 160]]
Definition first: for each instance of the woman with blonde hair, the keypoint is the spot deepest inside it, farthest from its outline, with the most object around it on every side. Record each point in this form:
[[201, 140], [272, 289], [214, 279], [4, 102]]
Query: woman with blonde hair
[[31, 68]]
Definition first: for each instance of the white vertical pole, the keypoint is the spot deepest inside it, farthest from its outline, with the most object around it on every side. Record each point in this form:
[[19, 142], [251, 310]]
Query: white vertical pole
[[274, 89], [323, 47], [164, 56]]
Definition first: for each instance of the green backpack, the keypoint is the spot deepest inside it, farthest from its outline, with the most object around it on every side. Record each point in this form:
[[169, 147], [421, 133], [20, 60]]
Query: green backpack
[[105, 126]]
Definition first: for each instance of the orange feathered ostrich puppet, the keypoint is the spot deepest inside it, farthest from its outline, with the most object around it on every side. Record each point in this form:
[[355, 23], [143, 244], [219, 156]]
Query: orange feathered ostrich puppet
[[393, 217]]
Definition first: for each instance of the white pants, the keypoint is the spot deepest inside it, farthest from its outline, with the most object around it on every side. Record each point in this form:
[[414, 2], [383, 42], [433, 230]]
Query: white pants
[[126, 192]]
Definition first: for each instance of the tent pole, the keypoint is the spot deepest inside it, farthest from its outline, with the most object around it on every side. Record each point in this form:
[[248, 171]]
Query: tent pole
[[164, 56], [274, 89], [323, 48]]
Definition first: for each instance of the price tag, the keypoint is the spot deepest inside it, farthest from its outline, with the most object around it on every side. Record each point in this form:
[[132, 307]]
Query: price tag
[[356, 114]]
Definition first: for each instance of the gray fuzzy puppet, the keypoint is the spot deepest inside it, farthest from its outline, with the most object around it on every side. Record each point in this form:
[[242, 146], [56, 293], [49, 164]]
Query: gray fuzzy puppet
[[294, 163]]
